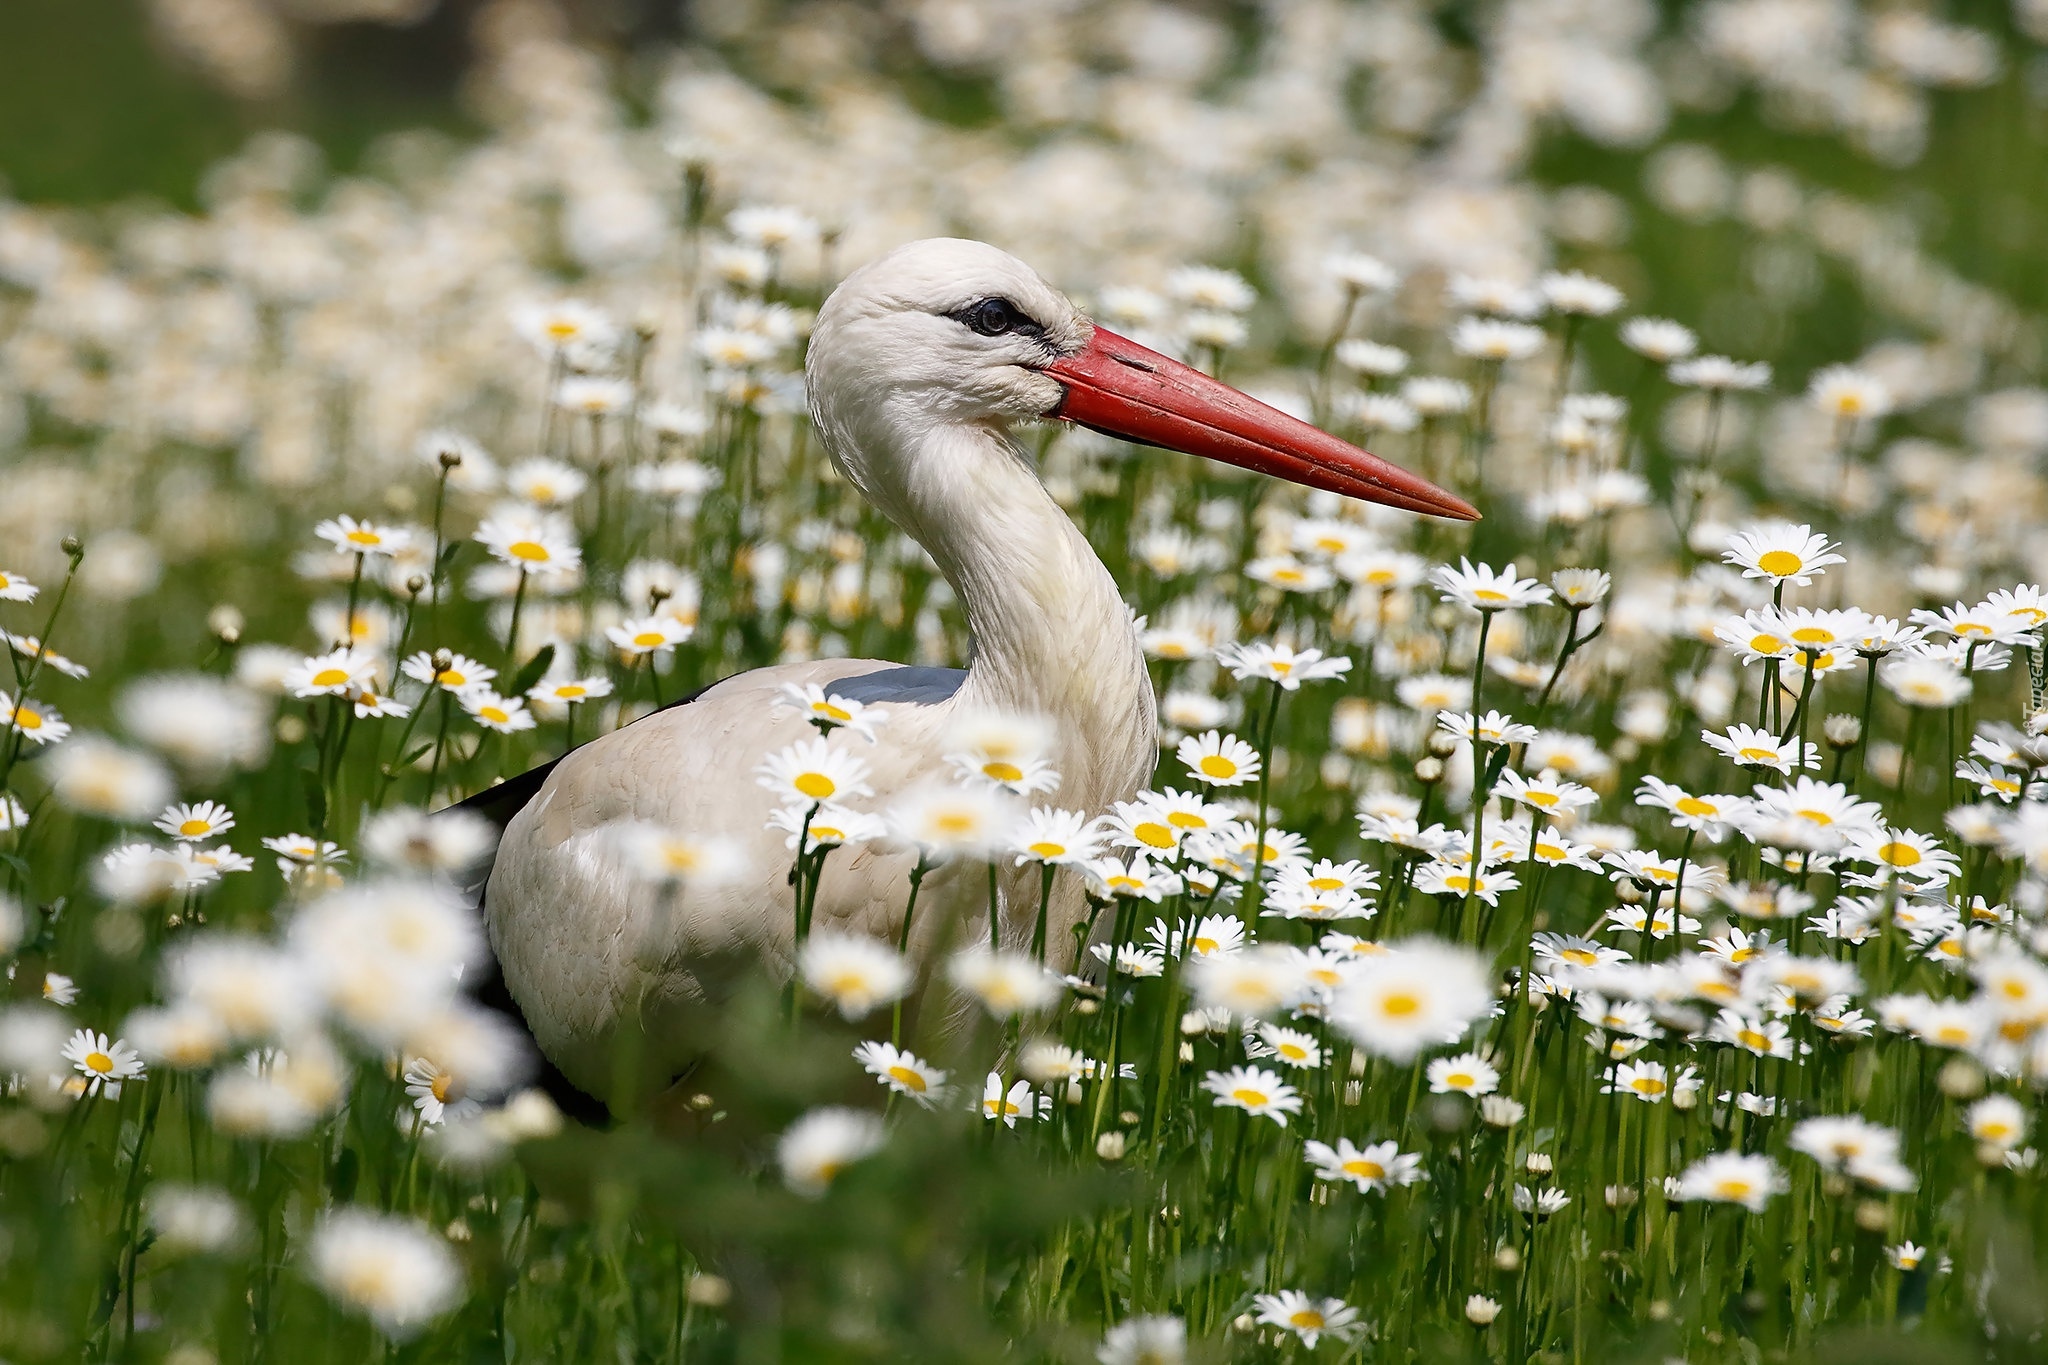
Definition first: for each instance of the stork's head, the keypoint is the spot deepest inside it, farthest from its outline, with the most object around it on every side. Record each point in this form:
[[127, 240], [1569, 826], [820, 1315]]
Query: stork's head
[[958, 333]]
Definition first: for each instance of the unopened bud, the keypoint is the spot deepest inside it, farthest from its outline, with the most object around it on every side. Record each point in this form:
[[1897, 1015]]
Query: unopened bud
[[72, 546], [1429, 771], [709, 1291], [449, 457], [1872, 1215], [1842, 731], [1961, 1079], [443, 660], [1538, 1163], [1442, 743], [1507, 1260], [1628, 893], [1111, 1146], [1480, 1311], [415, 584]]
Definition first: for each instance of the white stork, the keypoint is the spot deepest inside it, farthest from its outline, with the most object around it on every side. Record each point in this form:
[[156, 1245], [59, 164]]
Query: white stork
[[919, 364]]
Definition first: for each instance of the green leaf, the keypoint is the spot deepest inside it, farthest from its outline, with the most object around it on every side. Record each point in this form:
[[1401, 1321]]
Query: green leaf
[[531, 674]]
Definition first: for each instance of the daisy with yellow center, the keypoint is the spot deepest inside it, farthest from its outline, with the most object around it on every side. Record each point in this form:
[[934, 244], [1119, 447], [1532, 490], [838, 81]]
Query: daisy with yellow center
[[1219, 760], [198, 821], [1260, 1093]]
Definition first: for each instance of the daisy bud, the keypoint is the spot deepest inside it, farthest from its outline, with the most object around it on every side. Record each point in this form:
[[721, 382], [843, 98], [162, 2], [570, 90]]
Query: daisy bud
[[1628, 893], [449, 457], [1429, 771], [1480, 1311], [1442, 744], [1538, 1163], [71, 546], [1110, 1146], [1507, 1260], [1961, 1079], [709, 1291], [226, 622], [415, 584], [1842, 731], [1873, 1216]]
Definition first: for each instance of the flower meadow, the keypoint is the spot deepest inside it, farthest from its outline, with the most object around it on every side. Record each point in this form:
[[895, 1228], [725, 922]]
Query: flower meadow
[[1616, 930]]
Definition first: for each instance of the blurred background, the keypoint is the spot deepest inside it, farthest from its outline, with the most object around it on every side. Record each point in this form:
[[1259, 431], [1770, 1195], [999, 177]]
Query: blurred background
[[228, 213]]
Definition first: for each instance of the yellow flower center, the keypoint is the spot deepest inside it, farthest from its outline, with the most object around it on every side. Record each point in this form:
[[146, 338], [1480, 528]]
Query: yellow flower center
[[1216, 765], [1489, 594], [1401, 1005], [99, 1062], [448, 677], [1308, 1319], [571, 692], [1580, 957], [831, 712], [440, 1086], [192, 829], [533, 552], [648, 639], [1734, 1188], [1818, 817], [1647, 1085], [1898, 853], [817, 786], [1780, 563], [497, 715], [1756, 755], [1813, 635], [1461, 1080], [363, 537], [1293, 1052], [999, 771], [1766, 644], [330, 677], [1753, 1040], [1153, 833], [1250, 1098], [1692, 805], [1543, 799], [907, 1078], [953, 822], [1045, 848]]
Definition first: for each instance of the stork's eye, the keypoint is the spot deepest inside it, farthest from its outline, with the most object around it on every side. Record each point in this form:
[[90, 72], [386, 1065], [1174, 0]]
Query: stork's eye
[[997, 317]]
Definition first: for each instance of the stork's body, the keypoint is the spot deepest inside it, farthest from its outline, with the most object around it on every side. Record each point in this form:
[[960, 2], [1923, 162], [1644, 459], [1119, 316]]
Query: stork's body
[[918, 364]]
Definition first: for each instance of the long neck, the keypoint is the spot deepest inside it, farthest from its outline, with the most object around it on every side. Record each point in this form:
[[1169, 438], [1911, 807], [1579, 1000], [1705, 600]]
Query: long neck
[[1051, 633]]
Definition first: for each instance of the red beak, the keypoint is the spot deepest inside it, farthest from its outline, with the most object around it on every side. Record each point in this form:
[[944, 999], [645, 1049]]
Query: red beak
[[1122, 389]]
